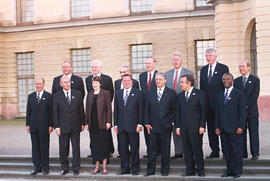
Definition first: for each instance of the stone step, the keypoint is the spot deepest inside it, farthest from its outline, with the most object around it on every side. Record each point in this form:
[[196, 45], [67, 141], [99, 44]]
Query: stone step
[[143, 161], [174, 169], [21, 175]]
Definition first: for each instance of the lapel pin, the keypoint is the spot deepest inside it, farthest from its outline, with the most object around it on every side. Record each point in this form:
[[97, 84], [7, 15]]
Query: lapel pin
[[215, 72], [249, 81], [72, 97], [72, 82], [132, 94], [194, 94], [43, 98], [229, 98]]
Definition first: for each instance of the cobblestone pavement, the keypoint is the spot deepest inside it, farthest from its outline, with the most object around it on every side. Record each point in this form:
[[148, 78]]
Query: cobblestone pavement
[[14, 140]]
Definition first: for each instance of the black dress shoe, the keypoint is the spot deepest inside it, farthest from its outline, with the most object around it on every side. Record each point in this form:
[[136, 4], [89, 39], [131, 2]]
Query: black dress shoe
[[89, 156], [63, 172], [227, 175], [145, 156], [164, 174], [186, 174], [118, 156], [45, 172], [201, 174], [76, 172], [35, 172], [149, 174], [135, 173], [123, 173], [212, 155], [177, 156], [255, 157], [237, 176]]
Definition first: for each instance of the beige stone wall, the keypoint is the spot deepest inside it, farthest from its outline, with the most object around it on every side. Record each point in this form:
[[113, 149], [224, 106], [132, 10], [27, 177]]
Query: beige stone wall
[[7, 12]]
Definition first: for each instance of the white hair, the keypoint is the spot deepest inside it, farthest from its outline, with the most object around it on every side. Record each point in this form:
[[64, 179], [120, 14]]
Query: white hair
[[176, 54], [98, 62]]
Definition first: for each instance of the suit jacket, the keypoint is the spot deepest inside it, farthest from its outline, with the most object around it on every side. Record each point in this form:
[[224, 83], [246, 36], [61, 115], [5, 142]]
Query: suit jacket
[[160, 114], [216, 85], [143, 82], [104, 108], [39, 112], [169, 76], [231, 115], [117, 84], [75, 81], [69, 118], [127, 117], [107, 84], [252, 91], [191, 114]]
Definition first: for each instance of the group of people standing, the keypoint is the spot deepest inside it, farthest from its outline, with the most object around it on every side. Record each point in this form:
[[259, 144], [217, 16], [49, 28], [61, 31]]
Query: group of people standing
[[160, 104]]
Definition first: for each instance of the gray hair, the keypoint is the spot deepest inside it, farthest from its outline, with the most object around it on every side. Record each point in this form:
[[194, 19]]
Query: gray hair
[[227, 74], [63, 76], [67, 61], [98, 62], [125, 66], [161, 74], [40, 78], [211, 50], [176, 54], [153, 58]]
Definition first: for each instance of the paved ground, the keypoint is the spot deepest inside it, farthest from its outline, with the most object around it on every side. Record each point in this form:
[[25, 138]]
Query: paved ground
[[14, 140]]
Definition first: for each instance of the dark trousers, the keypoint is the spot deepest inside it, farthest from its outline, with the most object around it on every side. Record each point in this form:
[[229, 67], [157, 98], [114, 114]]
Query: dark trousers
[[111, 141], [192, 147], [162, 140], [146, 138], [252, 125], [233, 151], [40, 150], [212, 137], [129, 139], [64, 142]]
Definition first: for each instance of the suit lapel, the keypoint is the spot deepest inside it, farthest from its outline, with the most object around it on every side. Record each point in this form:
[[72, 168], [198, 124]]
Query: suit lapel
[[129, 96], [121, 97], [64, 98], [192, 94], [230, 96]]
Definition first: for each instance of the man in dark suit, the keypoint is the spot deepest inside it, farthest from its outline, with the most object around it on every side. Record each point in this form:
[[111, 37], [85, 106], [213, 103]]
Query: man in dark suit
[[76, 81], [173, 79], [147, 83], [250, 85], [229, 124], [190, 123], [39, 124], [128, 116], [107, 84], [118, 85], [159, 115], [68, 116], [211, 84]]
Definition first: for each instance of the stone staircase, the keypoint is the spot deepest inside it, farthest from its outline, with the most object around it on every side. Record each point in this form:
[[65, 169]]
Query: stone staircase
[[18, 168]]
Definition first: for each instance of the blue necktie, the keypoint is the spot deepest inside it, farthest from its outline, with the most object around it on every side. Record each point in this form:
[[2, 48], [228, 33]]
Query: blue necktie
[[125, 98], [226, 97]]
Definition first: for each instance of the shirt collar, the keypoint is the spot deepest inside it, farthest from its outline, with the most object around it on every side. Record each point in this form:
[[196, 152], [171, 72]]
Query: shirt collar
[[213, 66], [246, 76], [229, 90], [179, 70], [129, 89], [99, 74], [69, 76], [40, 93], [190, 90], [69, 92]]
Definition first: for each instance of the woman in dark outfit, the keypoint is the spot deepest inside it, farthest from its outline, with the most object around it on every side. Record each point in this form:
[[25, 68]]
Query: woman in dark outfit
[[98, 121]]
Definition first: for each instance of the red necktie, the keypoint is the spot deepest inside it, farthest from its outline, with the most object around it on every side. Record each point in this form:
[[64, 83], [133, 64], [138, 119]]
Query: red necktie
[[149, 82], [175, 80]]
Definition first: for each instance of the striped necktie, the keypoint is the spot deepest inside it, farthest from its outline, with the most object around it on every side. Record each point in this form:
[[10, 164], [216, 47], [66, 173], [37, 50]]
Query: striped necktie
[[126, 97]]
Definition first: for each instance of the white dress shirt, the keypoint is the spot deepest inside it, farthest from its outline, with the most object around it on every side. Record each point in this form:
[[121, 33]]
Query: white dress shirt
[[40, 94], [213, 68], [178, 73]]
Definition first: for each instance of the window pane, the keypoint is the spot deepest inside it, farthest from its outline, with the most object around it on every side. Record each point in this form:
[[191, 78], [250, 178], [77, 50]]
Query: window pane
[[81, 60], [202, 3], [27, 10], [80, 8], [141, 5]]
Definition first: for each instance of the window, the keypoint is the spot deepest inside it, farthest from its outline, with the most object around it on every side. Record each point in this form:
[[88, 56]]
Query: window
[[201, 47], [27, 10], [80, 8], [202, 3], [138, 56], [140, 6], [81, 61], [25, 71]]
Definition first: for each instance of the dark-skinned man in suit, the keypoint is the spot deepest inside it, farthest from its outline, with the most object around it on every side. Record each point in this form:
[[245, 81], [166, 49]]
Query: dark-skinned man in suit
[[211, 84], [39, 124], [190, 123], [229, 124], [159, 116], [128, 120], [250, 85], [69, 121]]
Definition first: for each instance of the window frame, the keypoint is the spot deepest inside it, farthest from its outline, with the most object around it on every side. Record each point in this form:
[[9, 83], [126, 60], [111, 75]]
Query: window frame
[[81, 18], [81, 74]]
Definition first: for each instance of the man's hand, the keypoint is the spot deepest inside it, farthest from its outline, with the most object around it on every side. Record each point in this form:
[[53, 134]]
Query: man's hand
[[28, 129], [218, 131], [148, 127], [82, 128], [138, 129], [50, 129], [178, 131], [116, 129], [58, 132], [201, 130], [239, 131], [108, 126]]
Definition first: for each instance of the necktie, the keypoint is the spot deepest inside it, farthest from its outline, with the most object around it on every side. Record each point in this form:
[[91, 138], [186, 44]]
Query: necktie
[[68, 98], [175, 80], [125, 98], [38, 96], [149, 82], [244, 81], [186, 96], [210, 75], [226, 97], [159, 94]]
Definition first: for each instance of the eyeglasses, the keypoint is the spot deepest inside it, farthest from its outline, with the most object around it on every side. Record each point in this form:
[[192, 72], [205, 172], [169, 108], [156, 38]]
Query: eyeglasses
[[122, 72]]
